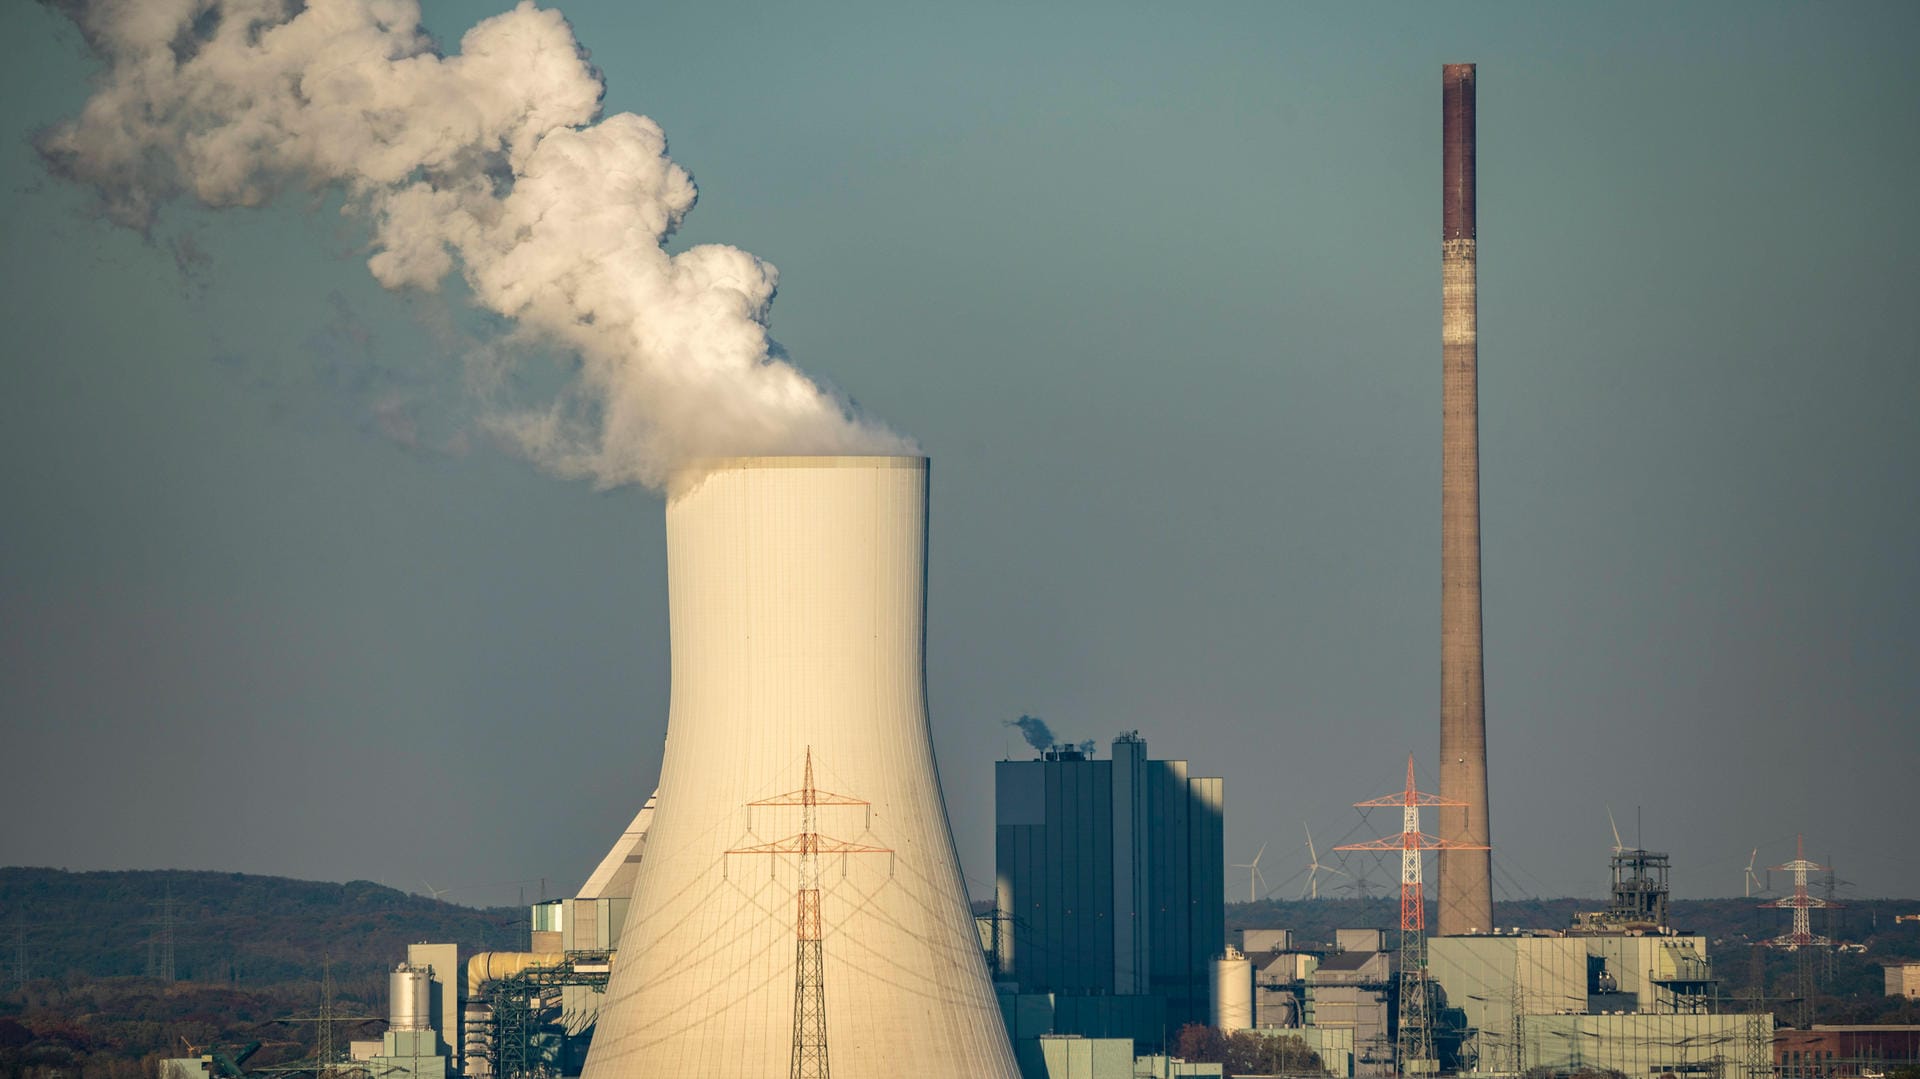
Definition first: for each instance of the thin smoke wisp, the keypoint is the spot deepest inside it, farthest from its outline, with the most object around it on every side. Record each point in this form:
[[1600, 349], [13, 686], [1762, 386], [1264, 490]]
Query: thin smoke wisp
[[491, 162], [1035, 731]]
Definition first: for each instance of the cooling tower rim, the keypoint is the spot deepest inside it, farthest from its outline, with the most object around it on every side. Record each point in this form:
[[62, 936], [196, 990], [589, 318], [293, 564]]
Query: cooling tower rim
[[877, 460], [697, 471]]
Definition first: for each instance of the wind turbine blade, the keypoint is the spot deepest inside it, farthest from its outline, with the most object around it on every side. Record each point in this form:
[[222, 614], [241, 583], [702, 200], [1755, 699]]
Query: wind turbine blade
[[1617, 847]]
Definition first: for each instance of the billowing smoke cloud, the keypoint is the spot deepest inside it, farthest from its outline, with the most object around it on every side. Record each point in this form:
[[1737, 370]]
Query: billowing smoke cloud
[[1034, 730], [487, 162]]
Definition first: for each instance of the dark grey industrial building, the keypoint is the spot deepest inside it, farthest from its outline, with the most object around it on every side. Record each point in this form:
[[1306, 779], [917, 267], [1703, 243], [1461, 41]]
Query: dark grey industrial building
[[1109, 884]]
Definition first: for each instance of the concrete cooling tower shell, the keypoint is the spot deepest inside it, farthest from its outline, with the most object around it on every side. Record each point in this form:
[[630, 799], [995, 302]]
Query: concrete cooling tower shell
[[797, 588]]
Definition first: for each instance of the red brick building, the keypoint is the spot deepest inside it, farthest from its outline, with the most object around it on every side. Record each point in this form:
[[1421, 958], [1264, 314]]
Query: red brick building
[[1844, 1050]]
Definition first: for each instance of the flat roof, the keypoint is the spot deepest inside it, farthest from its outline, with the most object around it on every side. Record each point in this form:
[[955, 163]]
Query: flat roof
[[1347, 960]]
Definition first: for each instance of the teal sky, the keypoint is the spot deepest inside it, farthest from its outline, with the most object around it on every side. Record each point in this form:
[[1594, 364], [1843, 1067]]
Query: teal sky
[[1157, 288]]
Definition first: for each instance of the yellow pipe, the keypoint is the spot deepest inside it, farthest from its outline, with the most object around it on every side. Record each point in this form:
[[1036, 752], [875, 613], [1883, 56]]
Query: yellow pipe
[[489, 966]]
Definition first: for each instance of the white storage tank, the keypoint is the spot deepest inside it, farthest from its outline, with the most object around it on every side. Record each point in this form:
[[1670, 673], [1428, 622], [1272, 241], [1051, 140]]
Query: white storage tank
[[410, 997], [1230, 1002]]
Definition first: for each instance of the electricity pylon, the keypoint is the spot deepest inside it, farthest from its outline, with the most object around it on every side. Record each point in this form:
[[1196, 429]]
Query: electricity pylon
[[809, 1059], [1801, 939], [1413, 1050]]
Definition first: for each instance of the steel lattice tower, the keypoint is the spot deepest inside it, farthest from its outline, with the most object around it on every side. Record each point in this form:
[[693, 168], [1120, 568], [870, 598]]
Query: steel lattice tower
[[809, 1060], [20, 964], [323, 1045], [324, 1063], [809, 971], [1801, 937], [160, 945], [809, 993], [1413, 1049]]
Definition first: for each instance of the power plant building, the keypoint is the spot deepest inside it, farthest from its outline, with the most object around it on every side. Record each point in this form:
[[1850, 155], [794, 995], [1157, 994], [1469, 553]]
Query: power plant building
[[1109, 884], [1355, 992], [1493, 977], [1637, 1000], [1841, 1051], [1682, 1045]]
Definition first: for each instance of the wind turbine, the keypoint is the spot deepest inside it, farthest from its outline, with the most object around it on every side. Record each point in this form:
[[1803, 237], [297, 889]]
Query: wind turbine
[[1253, 873], [1314, 868], [1617, 845], [436, 893], [1753, 879]]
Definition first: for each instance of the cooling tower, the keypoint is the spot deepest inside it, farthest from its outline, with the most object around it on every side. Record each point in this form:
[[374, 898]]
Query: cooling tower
[[1466, 876], [797, 589]]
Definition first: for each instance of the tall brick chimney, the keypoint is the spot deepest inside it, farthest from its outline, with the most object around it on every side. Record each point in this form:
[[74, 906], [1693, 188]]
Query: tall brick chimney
[[1466, 876]]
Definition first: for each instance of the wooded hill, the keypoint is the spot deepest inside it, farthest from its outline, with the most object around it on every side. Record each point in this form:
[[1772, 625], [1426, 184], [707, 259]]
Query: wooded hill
[[84, 954], [227, 928]]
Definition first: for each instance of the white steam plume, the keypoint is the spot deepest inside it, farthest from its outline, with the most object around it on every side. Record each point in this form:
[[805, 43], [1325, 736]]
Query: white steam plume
[[487, 162]]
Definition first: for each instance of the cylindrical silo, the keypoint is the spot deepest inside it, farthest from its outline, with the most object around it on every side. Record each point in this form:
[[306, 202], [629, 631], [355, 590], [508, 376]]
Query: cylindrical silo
[[409, 998], [1230, 1000], [797, 596]]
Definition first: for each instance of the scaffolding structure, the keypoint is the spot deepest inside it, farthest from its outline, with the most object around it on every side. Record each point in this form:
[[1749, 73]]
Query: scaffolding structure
[[809, 1059], [515, 1002], [1640, 888], [1413, 1047]]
